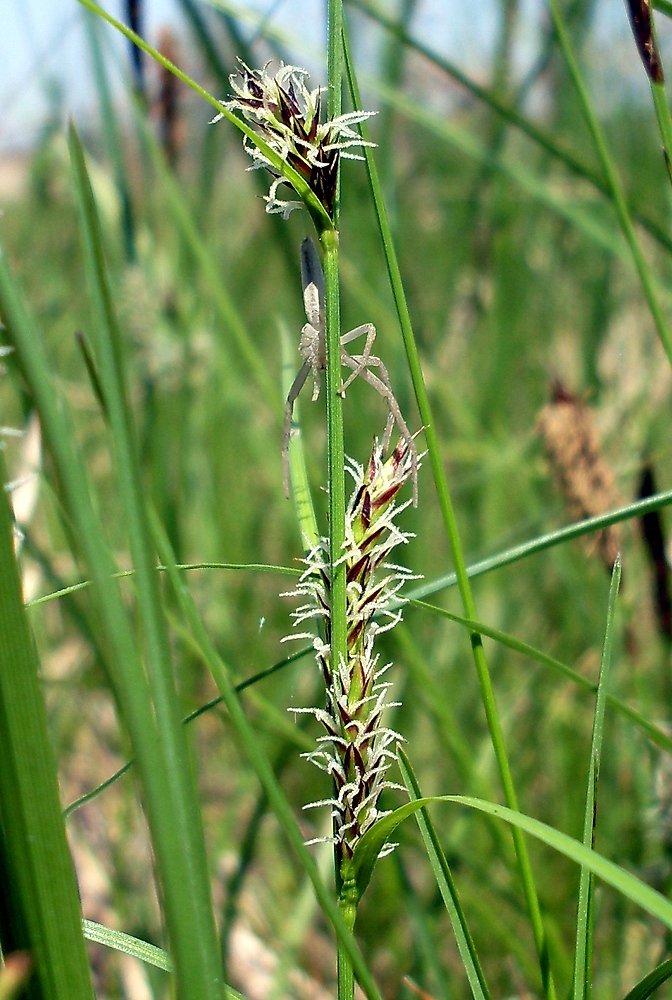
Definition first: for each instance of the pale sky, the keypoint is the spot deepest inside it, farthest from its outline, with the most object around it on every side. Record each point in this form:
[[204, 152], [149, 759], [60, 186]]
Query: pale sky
[[44, 40]]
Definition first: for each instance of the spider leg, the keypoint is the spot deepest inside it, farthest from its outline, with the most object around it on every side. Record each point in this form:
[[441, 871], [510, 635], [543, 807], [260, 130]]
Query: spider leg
[[370, 331], [297, 386], [382, 385], [389, 427]]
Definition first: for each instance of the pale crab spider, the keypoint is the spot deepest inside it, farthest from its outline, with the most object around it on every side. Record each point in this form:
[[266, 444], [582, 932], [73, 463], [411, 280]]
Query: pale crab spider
[[313, 351]]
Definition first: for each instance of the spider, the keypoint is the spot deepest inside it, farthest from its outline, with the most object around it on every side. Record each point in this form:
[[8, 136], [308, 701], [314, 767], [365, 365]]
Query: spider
[[313, 351]]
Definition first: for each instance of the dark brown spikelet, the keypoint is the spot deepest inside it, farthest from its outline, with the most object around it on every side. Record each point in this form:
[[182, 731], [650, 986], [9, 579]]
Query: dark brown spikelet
[[167, 105], [642, 28], [288, 117], [654, 539], [582, 475]]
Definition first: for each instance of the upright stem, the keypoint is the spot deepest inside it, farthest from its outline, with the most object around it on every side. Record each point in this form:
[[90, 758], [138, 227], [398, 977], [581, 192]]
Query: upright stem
[[347, 904], [336, 453]]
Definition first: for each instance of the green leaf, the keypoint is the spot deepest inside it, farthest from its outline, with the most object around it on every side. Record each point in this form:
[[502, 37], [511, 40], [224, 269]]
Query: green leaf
[[360, 869], [39, 902], [584, 924], [136, 948], [129, 945], [447, 887], [650, 983], [177, 833]]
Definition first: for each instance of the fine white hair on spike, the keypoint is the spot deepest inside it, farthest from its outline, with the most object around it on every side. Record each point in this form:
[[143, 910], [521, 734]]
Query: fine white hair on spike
[[357, 749]]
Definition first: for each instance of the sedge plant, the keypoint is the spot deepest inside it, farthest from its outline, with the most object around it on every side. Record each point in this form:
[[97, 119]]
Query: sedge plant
[[351, 593]]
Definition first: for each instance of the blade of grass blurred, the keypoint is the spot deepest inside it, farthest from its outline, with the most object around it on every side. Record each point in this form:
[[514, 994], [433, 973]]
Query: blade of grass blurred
[[440, 709], [247, 850], [393, 57], [584, 917], [430, 969], [183, 217], [537, 188], [513, 117], [452, 534], [111, 136], [129, 945], [257, 758], [194, 928], [615, 189], [137, 948], [296, 927], [447, 887], [656, 735], [644, 989], [542, 542], [252, 567], [664, 6], [118, 639], [41, 901]]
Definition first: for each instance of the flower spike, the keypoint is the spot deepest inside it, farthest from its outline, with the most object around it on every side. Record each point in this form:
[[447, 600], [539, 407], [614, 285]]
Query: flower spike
[[287, 114], [358, 750]]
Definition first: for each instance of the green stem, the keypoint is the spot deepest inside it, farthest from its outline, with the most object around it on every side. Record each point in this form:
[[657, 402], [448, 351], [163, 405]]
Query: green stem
[[347, 905], [336, 456], [614, 184], [336, 450], [452, 532]]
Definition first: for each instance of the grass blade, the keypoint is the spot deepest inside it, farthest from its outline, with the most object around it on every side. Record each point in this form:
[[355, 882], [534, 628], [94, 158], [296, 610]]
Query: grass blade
[[186, 879], [628, 885], [542, 542], [624, 882], [584, 930], [650, 983], [447, 887], [40, 898]]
